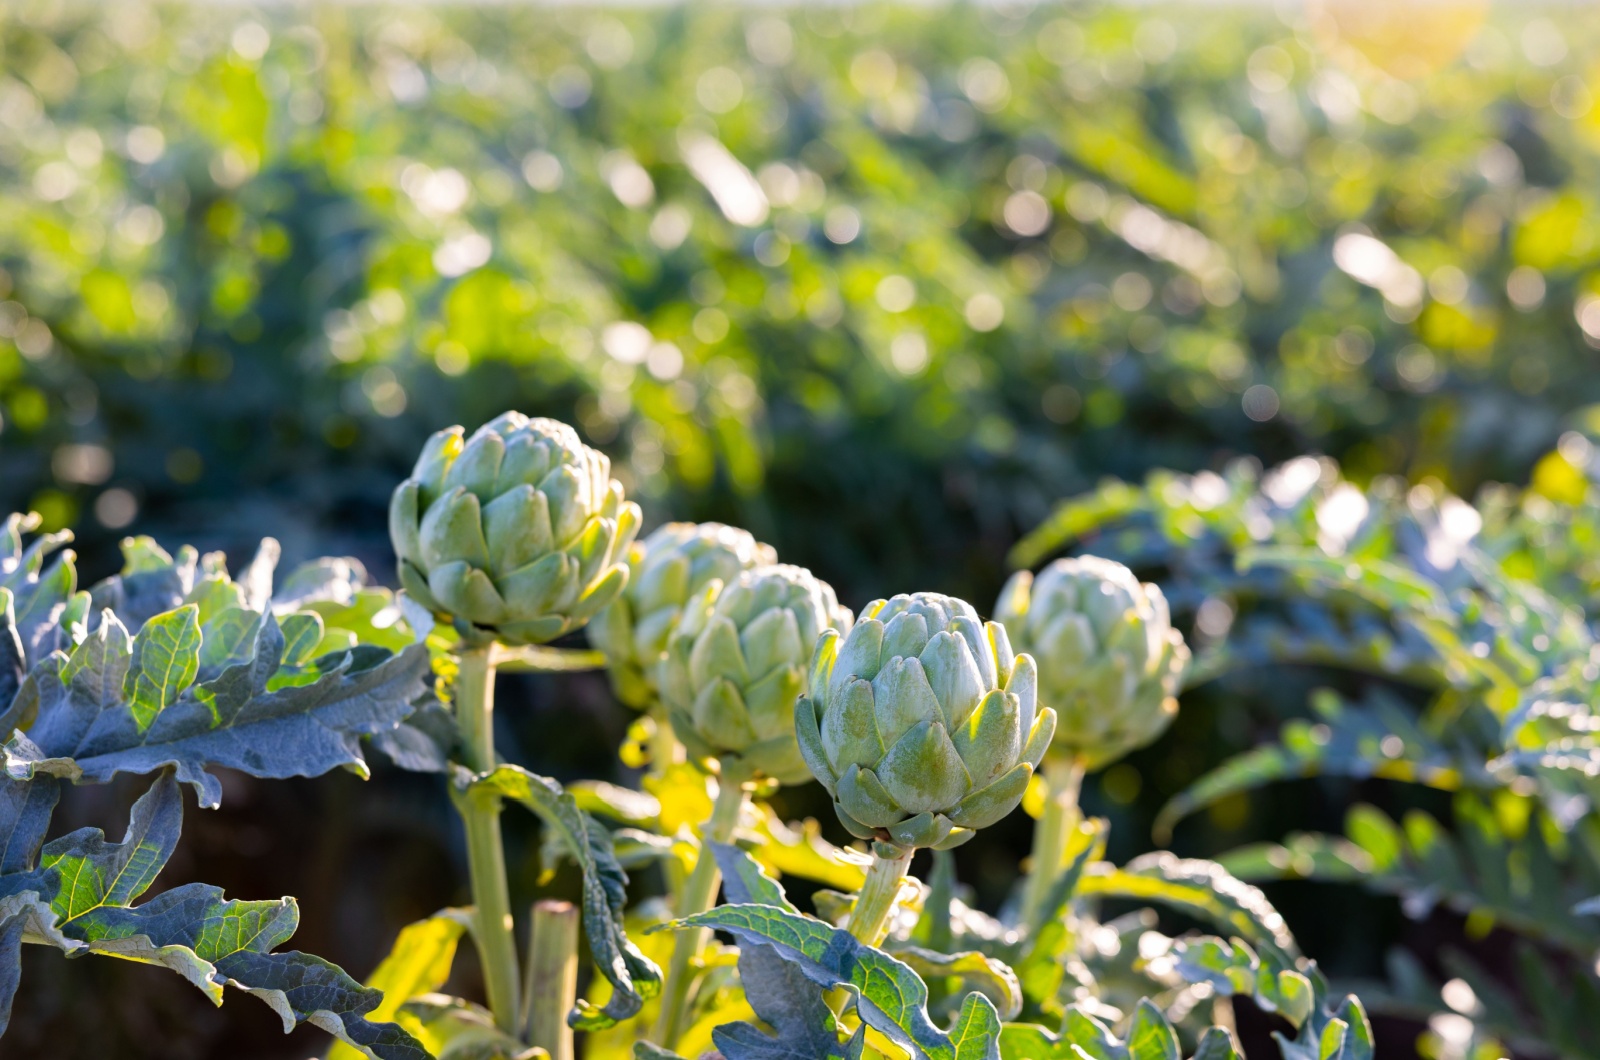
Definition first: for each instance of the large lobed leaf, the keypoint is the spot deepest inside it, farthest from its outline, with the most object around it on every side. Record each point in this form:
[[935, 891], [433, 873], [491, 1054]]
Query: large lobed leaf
[[890, 997], [234, 692], [80, 899]]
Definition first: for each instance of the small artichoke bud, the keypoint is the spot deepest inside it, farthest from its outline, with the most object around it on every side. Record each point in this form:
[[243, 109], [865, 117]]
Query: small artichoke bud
[[519, 531], [670, 567], [921, 722], [738, 662], [1109, 659]]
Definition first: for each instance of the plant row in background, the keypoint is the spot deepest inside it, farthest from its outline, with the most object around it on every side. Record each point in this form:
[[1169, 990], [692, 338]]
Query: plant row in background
[[1005, 251], [923, 723]]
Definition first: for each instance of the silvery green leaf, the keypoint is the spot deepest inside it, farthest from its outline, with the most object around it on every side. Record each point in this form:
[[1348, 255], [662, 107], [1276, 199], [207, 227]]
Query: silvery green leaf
[[423, 743], [233, 719], [333, 579], [745, 882], [80, 899], [151, 582], [889, 996], [803, 1027], [1202, 888]]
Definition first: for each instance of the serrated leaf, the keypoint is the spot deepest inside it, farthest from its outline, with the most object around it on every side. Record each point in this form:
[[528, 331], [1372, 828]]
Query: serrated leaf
[[1200, 887], [418, 963], [633, 977], [166, 657], [1151, 1037], [25, 916], [151, 582], [213, 942], [792, 1005], [1379, 738], [1232, 967], [889, 996], [25, 810], [233, 720], [93, 874], [1083, 1037], [331, 579], [976, 1032], [745, 882], [992, 978]]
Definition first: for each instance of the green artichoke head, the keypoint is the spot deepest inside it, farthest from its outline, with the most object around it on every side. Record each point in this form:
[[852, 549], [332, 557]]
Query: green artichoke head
[[921, 722], [1109, 659], [670, 567], [518, 532], [738, 662]]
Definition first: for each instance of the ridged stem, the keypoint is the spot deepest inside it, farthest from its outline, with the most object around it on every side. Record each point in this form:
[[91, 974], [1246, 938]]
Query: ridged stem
[[551, 988], [869, 920], [486, 857], [1063, 779], [698, 893]]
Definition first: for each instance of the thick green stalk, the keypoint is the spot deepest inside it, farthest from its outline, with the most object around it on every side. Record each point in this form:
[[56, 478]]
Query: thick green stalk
[[869, 920], [486, 857], [697, 896], [1063, 778], [551, 988]]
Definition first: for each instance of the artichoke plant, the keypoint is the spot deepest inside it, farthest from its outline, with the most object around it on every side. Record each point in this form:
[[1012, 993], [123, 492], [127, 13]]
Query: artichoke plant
[[1109, 659], [921, 722], [518, 532], [669, 567], [738, 662]]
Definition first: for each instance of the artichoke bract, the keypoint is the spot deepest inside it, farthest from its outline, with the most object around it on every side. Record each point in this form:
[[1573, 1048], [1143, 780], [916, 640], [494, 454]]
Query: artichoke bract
[[738, 662], [670, 567], [519, 531], [1109, 659], [921, 722]]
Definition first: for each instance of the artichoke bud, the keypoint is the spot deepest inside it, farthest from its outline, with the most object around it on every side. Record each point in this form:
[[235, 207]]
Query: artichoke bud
[[1109, 660], [518, 532], [737, 663], [921, 722], [670, 567]]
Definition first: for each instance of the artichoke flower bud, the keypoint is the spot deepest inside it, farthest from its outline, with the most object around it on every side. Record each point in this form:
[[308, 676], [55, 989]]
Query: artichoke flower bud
[[670, 567], [519, 532], [921, 722], [738, 662], [1109, 659]]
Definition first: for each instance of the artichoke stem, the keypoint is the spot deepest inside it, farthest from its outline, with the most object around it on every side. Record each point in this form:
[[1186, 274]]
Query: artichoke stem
[[486, 857], [869, 920], [698, 895], [551, 988], [1063, 778]]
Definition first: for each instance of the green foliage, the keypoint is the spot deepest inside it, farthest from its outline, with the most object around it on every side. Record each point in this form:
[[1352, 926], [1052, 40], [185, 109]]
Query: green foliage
[[212, 682], [80, 899], [1445, 597]]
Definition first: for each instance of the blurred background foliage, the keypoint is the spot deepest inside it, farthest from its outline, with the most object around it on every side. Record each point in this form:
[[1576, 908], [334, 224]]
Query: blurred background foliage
[[881, 283]]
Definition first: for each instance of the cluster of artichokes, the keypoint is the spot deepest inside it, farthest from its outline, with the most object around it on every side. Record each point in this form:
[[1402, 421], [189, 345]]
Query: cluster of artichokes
[[921, 720]]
